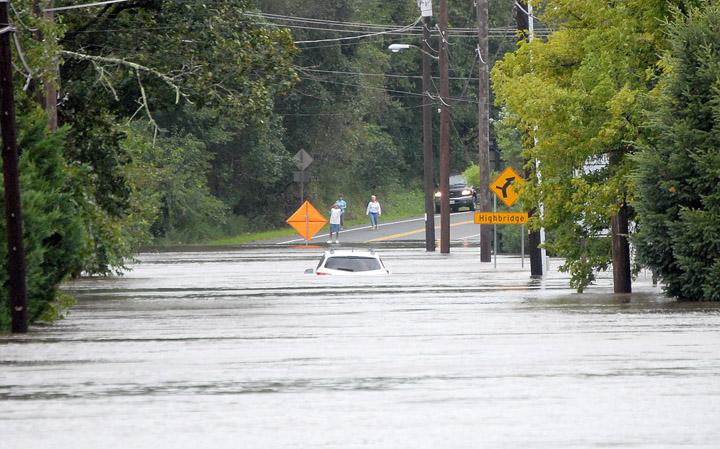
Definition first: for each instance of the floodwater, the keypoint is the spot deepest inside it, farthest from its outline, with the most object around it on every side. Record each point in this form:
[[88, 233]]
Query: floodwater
[[241, 349]]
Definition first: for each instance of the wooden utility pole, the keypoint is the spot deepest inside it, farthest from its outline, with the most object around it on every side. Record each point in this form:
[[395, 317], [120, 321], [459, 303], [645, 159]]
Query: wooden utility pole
[[50, 90], [444, 132], [428, 159], [534, 252], [484, 125], [619, 226], [622, 279], [47, 93], [11, 180]]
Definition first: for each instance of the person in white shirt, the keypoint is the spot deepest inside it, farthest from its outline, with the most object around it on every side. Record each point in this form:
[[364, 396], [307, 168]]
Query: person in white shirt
[[335, 218], [374, 211]]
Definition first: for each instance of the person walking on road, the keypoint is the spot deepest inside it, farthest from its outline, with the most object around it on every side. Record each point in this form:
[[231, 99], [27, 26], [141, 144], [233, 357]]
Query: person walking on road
[[374, 211], [335, 217], [343, 205]]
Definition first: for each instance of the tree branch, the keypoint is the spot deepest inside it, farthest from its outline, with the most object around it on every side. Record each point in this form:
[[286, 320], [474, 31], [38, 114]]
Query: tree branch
[[133, 65]]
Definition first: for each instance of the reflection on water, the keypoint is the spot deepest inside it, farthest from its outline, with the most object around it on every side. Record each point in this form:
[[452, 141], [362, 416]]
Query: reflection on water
[[240, 348]]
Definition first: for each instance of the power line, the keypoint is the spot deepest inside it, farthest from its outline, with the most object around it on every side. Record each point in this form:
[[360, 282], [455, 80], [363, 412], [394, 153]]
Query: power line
[[357, 37], [392, 91], [414, 31], [366, 26], [387, 75], [86, 5], [338, 114]]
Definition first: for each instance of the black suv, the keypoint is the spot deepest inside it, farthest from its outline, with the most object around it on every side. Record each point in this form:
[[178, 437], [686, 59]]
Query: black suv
[[461, 194]]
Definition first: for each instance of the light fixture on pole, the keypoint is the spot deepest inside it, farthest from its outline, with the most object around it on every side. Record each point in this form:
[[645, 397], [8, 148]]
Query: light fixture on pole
[[395, 48]]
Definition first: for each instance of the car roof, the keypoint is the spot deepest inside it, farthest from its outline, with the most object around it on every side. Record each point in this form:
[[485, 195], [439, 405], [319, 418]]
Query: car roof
[[350, 252]]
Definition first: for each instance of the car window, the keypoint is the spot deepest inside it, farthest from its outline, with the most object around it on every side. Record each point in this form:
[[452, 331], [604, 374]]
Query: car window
[[322, 259], [352, 263], [457, 180]]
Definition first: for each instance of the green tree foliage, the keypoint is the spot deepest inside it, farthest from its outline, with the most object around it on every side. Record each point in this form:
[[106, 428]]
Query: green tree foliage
[[157, 99], [679, 168], [355, 90], [208, 79], [581, 93], [56, 242], [173, 170]]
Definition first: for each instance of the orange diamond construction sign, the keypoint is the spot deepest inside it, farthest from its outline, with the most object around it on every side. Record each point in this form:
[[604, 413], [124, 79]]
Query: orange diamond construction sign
[[307, 221]]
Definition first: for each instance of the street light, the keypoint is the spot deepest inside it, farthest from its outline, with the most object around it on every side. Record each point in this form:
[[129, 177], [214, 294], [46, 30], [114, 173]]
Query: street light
[[398, 47], [428, 160]]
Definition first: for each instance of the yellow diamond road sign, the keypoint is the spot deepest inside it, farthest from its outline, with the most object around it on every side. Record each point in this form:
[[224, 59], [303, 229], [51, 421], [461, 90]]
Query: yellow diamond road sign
[[503, 186]]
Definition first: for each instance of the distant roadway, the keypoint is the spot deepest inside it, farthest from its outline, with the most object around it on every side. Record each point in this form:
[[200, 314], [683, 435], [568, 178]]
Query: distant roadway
[[462, 230]]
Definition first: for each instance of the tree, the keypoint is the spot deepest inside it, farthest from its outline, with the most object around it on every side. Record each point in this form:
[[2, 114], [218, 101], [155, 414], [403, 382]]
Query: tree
[[581, 94], [679, 166], [167, 64], [56, 242]]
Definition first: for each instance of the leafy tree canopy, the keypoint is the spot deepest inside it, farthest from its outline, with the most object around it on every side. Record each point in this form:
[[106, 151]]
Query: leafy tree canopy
[[578, 98], [679, 166]]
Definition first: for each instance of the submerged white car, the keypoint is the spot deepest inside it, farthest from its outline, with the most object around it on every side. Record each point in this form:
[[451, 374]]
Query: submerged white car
[[344, 262]]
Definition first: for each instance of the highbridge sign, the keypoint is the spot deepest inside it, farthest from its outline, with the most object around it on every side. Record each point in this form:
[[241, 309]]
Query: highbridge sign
[[500, 218]]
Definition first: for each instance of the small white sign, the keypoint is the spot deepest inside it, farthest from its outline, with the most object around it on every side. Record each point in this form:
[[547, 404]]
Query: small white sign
[[425, 7]]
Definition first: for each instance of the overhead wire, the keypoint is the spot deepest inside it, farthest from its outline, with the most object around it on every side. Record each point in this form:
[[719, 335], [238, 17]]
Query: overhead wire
[[338, 114], [86, 5], [388, 75], [19, 19], [527, 13], [392, 91], [367, 26], [380, 33]]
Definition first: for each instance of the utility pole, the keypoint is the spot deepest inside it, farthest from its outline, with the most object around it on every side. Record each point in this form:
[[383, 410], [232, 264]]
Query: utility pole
[[622, 279], [47, 95], [483, 124], [444, 132], [50, 90], [619, 224], [541, 206], [11, 180], [428, 159], [534, 252]]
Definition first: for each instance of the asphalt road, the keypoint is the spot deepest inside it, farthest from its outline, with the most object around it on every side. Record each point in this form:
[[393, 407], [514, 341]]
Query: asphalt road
[[462, 230]]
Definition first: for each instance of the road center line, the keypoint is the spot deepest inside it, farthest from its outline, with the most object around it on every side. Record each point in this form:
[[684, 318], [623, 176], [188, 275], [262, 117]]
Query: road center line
[[354, 229], [416, 231]]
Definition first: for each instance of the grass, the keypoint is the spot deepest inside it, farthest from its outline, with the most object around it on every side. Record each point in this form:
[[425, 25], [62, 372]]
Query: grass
[[247, 237], [395, 206]]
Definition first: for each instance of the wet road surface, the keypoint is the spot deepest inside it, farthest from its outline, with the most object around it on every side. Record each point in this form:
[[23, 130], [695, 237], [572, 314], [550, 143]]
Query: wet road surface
[[240, 349], [462, 230]]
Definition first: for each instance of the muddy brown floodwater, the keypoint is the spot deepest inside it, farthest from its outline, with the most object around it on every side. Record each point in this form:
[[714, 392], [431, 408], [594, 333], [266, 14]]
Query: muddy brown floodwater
[[241, 349]]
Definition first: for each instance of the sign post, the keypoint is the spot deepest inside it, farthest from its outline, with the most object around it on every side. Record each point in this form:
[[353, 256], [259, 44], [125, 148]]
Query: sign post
[[522, 246], [495, 233], [302, 161]]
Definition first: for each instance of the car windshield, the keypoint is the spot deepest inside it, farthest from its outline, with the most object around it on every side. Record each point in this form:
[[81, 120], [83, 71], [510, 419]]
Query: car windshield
[[352, 263], [457, 181]]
